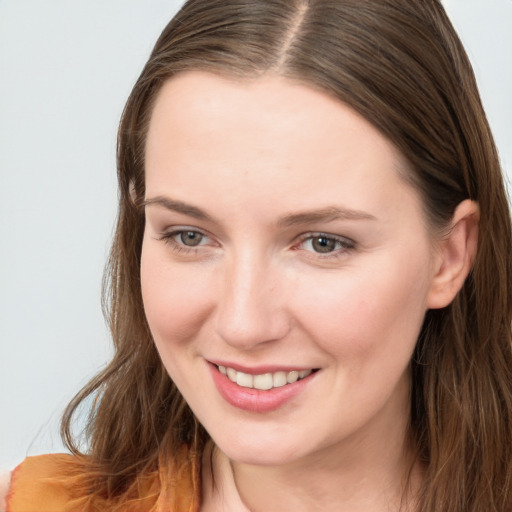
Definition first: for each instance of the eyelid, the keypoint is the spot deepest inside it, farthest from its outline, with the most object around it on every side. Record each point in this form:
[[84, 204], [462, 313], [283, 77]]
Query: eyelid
[[347, 244], [168, 236]]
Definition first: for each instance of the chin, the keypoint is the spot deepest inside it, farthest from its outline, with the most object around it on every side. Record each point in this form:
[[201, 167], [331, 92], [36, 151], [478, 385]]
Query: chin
[[258, 451]]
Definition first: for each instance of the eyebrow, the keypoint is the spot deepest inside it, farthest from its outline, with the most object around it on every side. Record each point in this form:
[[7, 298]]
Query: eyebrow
[[179, 207], [328, 214]]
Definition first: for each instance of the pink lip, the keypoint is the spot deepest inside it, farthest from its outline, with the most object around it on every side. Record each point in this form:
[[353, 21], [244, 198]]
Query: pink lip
[[255, 400]]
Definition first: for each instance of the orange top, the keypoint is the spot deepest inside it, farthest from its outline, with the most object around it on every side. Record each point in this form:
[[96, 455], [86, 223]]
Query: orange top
[[47, 483]]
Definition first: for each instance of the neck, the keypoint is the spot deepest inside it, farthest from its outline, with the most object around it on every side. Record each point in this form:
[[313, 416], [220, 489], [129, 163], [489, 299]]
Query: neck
[[372, 469], [360, 479], [318, 484]]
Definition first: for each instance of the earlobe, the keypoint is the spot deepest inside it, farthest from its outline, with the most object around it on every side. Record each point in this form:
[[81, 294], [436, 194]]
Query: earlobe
[[455, 255]]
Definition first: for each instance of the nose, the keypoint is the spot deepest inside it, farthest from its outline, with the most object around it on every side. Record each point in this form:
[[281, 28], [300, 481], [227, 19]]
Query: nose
[[251, 309]]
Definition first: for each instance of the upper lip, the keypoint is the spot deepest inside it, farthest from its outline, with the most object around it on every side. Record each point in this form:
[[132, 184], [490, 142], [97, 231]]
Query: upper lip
[[259, 369]]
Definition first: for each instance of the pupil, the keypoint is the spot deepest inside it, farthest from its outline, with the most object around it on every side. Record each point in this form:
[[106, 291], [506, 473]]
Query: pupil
[[191, 238], [323, 244]]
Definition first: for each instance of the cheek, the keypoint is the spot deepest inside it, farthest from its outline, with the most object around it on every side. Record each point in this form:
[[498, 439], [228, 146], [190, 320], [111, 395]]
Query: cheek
[[175, 299], [359, 315]]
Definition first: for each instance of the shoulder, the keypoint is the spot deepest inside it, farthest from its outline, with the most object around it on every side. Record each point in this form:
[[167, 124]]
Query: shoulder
[[61, 483], [38, 483]]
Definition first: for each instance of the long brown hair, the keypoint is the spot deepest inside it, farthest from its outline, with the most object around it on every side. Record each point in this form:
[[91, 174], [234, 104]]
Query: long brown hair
[[400, 64]]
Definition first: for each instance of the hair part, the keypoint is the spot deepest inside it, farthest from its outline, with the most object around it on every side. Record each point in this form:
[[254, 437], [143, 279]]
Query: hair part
[[400, 64]]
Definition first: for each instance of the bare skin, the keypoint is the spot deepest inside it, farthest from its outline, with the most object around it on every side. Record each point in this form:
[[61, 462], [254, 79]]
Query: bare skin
[[280, 235], [5, 480]]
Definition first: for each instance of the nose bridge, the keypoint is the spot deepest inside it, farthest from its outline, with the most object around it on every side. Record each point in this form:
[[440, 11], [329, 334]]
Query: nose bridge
[[250, 308]]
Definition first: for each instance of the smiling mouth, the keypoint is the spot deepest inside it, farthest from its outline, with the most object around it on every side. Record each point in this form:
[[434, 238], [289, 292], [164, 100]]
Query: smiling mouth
[[264, 381]]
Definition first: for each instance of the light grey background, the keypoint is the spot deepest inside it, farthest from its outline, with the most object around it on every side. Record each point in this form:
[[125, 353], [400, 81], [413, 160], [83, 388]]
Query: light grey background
[[66, 69]]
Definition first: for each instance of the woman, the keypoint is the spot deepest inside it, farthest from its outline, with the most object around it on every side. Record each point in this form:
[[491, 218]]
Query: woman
[[309, 285]]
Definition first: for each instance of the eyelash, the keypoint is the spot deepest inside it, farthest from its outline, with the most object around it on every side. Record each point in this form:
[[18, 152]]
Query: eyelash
[[180, 248], [344, 244]]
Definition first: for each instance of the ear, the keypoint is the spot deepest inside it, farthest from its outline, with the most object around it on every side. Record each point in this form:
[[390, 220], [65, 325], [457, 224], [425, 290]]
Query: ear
[[454, 255]]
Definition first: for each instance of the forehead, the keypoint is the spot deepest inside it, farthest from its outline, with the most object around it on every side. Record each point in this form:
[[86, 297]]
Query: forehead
[[268, 135], [203, 102]]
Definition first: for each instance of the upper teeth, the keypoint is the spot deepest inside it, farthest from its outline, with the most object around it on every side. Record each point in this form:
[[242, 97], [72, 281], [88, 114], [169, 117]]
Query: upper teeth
[[264, 381]]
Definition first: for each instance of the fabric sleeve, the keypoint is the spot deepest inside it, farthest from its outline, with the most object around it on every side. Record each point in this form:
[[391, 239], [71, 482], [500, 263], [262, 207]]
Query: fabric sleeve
[[36, 485]]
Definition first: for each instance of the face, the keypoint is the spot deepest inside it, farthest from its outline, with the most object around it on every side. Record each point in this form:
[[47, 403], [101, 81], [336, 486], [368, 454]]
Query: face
[[283, 248]]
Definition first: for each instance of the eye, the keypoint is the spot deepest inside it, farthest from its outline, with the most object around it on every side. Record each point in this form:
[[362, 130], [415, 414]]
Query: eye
[[184, 239], [324, 244], [189, 238]]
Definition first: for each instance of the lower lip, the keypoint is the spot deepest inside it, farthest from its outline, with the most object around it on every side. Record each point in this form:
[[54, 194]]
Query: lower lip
[[255, 400]]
